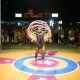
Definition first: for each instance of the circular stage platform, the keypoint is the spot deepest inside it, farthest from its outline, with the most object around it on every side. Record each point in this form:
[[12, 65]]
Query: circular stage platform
[[23, 66]]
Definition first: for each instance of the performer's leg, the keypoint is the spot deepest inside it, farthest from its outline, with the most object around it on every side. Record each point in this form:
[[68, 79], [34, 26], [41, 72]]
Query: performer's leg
[[43, 52], [37, 51]]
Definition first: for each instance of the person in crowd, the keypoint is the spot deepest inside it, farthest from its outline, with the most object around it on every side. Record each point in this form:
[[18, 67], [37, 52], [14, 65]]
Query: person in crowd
[[11, 36], [15, 36], [5, 36], [71, 36], [22, 36], [61, 37], [19, 37]]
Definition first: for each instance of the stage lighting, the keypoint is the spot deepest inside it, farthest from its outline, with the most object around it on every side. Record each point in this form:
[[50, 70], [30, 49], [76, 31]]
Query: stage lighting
[[51, 23], [18, 14], [54, 14], [60, 22], [78, 22]]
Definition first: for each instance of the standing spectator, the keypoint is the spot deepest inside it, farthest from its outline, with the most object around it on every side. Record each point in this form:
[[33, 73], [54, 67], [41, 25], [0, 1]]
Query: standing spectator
[[22, 36], [66, 36], [52, 32], [71, 36], [55, 35], [77, 37], [15, 36], [2, 35], [26, 37], [61, 37], [5, 36], [11, 36], [19, 37]]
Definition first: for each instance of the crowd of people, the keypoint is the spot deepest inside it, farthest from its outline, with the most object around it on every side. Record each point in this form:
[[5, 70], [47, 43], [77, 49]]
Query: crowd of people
[[67, 36], [14, 36]]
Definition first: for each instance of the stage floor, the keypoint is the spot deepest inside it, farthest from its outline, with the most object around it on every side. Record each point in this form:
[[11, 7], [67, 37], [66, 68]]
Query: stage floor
[[21, 65]]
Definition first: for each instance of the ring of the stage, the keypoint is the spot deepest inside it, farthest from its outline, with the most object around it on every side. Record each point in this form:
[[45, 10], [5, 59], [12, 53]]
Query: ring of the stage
[[52, 65]]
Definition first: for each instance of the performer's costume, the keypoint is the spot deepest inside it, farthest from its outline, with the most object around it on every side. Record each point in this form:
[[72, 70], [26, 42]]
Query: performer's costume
[[40, 39], [39, 32]]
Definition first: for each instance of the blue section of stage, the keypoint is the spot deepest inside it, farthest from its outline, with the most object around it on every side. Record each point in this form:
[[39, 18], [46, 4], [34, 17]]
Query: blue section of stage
[[71, 66]]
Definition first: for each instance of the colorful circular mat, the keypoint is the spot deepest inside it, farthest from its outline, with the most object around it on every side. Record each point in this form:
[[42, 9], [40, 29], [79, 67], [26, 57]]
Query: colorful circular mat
[[52, 65]]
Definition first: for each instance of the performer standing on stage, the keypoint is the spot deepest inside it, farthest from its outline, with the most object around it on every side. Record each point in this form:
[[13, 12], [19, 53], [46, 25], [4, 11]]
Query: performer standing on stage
[[40, 43]]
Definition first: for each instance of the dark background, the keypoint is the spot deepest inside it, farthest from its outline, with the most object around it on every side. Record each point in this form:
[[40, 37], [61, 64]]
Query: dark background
[[69, 10]]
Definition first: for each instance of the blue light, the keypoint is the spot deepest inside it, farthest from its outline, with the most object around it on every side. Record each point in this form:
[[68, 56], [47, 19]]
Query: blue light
[[51, 23]]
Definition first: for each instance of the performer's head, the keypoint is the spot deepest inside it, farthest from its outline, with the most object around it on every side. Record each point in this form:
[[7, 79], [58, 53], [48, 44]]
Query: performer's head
[[39, 29]]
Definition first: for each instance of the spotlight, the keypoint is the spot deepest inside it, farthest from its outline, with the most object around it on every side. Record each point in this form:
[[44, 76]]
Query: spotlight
[[60, 22], [51, 22], [54, 14], [18, 14]]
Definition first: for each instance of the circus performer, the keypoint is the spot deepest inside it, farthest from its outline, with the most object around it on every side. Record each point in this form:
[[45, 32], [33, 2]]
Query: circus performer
[[39, 32], [40, 43]]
